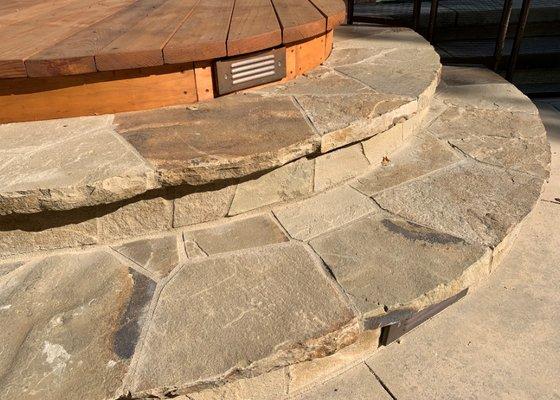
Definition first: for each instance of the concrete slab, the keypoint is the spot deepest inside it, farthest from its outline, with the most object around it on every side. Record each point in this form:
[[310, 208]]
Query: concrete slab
[[551, 118], [357, 383]]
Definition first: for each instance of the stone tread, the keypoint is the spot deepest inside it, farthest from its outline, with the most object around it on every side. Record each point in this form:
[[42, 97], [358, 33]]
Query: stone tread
[[73, 163], [256, 293]]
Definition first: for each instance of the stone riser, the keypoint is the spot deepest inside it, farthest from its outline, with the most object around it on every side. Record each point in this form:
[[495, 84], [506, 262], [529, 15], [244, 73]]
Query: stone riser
[[306, 373], [363, 90], [176, 208]]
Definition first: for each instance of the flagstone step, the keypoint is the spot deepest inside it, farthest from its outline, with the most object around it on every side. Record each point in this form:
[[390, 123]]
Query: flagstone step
[[375, 80], [259, 301]]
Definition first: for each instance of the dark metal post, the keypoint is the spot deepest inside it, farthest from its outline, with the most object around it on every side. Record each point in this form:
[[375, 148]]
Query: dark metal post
[[416, 14], [350, 13], [518, 38], [433, 19], [502, 34]]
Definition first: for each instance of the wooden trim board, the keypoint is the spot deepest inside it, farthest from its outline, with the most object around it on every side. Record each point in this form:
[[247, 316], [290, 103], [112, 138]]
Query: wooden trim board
[[34, 99], [110, 92]]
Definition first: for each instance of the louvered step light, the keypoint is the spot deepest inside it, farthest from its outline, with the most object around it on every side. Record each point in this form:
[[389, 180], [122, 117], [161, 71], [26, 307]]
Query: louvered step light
[[245, 72]]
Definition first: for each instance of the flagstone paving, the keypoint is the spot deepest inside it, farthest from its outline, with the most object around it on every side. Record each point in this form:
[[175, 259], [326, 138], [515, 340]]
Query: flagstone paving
[[311, 217], [106, 159], [198, 207], [159, 256], [64, 164], [74, 321], [235, 311], [238, 235], [216, 306], [478, 202], [219, 139], [509, 140], [383, 263], [420, 157], [357, 383]]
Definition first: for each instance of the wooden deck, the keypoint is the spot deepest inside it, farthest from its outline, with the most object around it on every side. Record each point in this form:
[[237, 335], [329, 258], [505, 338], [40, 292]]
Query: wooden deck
[[70, 37]]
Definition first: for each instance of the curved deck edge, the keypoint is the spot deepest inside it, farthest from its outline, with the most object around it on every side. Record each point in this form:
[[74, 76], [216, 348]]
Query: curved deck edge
[[110, 92]]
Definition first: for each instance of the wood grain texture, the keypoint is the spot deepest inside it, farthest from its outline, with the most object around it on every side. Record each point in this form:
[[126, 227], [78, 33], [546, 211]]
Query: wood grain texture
[[204, 80], [304, 56], [142, 45], [8, 7], [333, 10], [23, 39], [300, 19], [203, 35], [71, 37], [76, 54], [329, 44], [33, 99], [291, 62], [310, 54], [254, 26], [11, 13]]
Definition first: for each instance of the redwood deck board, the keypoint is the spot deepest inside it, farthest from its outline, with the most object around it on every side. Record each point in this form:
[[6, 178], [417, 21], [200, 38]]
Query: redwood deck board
[[23, 39], [142, 45], [73, 37], [203, 35], [76, 54], [333, 10], [254, 26], [300, 19], [15, 6], [25, 12]]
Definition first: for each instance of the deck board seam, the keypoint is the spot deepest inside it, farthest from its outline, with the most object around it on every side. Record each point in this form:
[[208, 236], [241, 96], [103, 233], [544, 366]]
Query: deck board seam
[[84, 45], [25, 61], [70, 33], [229, 26], [132, 27], [279, 20], [177, 28]]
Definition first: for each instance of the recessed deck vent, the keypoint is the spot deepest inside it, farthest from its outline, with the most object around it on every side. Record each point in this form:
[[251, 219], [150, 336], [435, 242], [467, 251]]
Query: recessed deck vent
[[249, 71]]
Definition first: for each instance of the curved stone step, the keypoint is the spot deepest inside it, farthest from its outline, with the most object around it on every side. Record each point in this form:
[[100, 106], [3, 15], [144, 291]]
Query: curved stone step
[[192, 310], [366, 88]]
